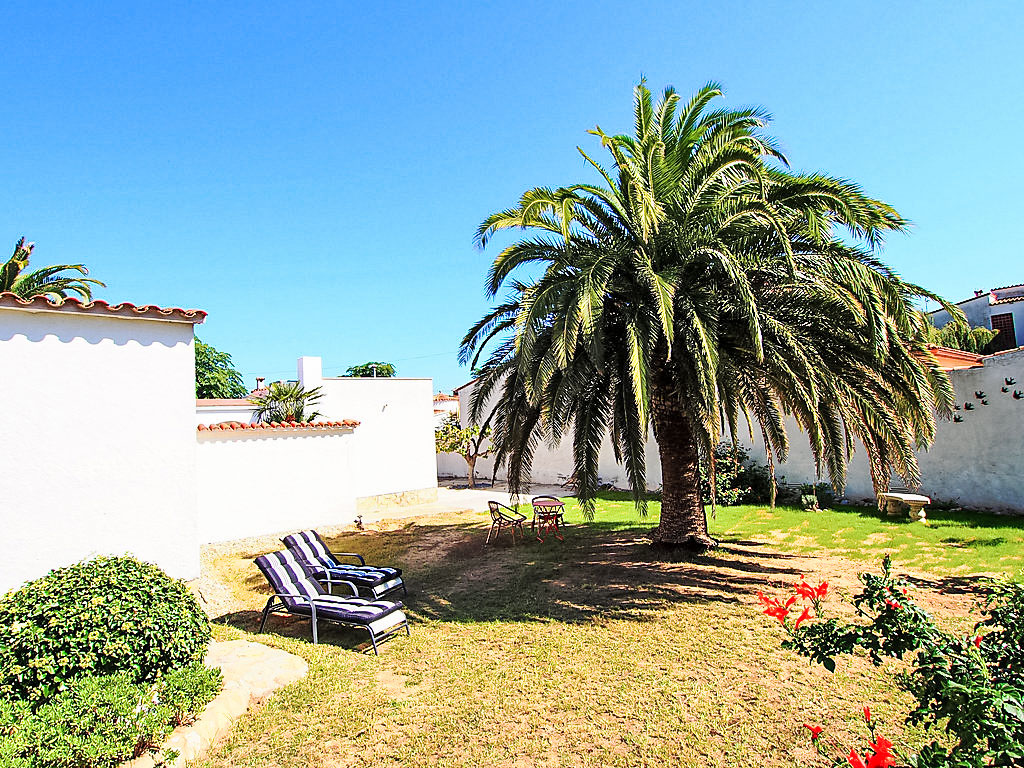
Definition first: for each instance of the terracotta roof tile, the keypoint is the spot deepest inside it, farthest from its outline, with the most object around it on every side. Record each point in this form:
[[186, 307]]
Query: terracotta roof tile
[[954, 359], [100, 307], [321, 426], [440, 396], [1008, 300]]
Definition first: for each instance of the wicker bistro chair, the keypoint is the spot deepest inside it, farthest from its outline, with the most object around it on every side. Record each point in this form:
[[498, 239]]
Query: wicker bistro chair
[[500, 520], [371, 581], [297, 593]]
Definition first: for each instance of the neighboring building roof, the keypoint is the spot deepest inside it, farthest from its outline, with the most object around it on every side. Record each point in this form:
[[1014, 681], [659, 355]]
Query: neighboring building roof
[[955, 359], [441, 396], [459, 389], [210, 401], [1008, 300], [1005, 287], [100, 307], [228, 426]]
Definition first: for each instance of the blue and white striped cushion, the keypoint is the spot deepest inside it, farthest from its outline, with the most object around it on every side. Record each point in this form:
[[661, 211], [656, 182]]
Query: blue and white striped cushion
[[288, 577], [310, 548], [352, 609]]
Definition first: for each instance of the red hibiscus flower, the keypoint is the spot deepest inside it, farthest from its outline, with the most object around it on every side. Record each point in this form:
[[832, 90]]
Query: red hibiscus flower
[[821, 590], [815, 730], [892, 604], [883, 756], [977, 641], [854, 759], [805, 590], [803, 617]]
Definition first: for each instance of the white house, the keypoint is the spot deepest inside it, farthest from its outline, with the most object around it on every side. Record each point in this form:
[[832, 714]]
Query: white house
[[444, 406], [1001, 309], [99, 443]]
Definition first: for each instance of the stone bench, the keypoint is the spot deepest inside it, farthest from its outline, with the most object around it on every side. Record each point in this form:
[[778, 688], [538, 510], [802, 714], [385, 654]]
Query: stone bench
[[892, 502]]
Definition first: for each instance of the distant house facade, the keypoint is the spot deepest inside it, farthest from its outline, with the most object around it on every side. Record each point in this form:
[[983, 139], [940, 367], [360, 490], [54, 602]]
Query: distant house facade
[[1001, 309], [444, 406]]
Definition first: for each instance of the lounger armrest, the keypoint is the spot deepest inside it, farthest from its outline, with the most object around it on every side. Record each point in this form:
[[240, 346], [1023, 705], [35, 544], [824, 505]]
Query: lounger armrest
[[331, 582], [336, 555]]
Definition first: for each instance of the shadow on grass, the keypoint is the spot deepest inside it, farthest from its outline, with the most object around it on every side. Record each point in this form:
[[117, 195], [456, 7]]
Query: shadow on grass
[[600, 572]]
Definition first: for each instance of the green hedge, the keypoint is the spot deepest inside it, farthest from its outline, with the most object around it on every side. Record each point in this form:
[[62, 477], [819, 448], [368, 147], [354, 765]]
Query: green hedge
[[108, 616], [100, 722]]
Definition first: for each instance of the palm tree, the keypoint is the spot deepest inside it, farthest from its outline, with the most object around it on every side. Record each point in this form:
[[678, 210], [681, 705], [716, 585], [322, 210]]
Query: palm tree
[[285, 402], [47, 281], [701, 288]]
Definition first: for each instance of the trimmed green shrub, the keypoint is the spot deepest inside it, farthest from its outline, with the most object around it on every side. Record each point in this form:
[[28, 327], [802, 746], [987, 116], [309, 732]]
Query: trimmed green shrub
[[97, 722], [106, 616], [187, 690]]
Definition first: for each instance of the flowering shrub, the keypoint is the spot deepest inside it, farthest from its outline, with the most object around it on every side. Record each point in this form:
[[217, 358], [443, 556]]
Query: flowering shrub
[[970, 687]]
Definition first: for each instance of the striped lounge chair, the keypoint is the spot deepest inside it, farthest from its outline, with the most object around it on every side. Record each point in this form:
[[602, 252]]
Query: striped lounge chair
[[297, 593], [327, 567]]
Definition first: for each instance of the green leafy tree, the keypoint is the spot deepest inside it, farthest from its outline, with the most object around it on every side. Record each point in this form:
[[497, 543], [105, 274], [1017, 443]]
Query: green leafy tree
[[960, 335], [696, 287], [285, 402], [46, 281], [216, 375], [471, 443], [372, 370]]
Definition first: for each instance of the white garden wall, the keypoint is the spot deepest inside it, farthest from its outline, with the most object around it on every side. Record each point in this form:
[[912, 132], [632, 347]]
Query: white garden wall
[[393, 448], [99, 446], [256, 482], [975, 462], [259, 481]]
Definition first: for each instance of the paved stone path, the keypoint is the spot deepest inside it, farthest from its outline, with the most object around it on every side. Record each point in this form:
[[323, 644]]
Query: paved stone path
[[251, 673]]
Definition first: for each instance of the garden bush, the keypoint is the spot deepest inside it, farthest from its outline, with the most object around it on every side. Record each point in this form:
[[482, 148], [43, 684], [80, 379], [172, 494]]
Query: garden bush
[[738, 478], [106, 616], [100, 722], [187, 690], [969, 687]]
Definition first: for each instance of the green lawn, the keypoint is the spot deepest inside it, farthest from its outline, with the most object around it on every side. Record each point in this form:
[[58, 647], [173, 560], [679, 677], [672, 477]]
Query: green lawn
[[950, 543], [591, 651]]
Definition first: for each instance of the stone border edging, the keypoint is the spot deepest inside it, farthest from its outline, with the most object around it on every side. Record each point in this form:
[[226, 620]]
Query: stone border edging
[[251, 673]]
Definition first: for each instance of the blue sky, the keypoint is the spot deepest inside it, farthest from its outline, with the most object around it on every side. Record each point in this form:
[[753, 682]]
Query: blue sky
[[311, 174]]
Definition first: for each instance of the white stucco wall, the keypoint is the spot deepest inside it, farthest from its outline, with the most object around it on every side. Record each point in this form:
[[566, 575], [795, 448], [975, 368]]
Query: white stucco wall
[[393, 448], [99, 442], [218, 414], [272, 481], [976, 462]]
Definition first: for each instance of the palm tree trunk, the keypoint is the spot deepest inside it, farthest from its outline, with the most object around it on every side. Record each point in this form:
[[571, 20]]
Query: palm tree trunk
[[683, 521]]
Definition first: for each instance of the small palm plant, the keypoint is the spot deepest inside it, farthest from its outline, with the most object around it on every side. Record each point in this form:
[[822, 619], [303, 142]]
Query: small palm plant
[[47, 281], [286, 402]]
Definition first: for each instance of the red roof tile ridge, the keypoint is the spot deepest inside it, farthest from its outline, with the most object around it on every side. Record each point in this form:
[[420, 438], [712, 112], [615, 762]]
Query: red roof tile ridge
[[277, 425], [101, 307]]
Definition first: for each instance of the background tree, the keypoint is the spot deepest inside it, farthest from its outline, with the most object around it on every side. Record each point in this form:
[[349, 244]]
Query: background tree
[[375, 370], [285, 402], [46, 281], [960, 335], [216, 375], [701, 287], [471, 443]]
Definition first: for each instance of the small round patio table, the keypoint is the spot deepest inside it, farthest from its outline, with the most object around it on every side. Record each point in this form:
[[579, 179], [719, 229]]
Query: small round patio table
[[547, 512]]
